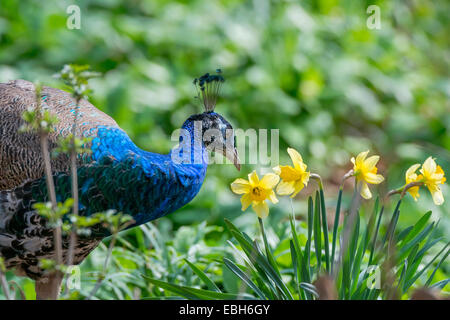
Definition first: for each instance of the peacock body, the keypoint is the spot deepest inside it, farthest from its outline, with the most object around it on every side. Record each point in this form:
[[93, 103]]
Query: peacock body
[[116, 174]]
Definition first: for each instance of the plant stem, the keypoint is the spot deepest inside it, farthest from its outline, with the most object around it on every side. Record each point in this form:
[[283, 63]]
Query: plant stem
[[105, 266], [57, 235], [266, 245], [5, 286], [325, 227], [75, 196], [356, 199], [335, 227]]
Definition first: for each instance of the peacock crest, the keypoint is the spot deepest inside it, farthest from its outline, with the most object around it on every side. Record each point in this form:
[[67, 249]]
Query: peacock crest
[[208, 88]]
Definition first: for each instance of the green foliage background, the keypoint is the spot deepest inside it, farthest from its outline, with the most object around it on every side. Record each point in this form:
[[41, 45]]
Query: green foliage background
[[312, 69]]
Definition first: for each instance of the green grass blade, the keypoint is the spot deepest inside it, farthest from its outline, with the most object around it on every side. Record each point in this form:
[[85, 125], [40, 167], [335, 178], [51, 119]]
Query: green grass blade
[[403, 252], [193, 293], [392, 224], [441, 284], [269, 254], [317, 232], [335, 227], [209, 283], [417, 228], [413, 280], [325, 229], [309, 288], [243, 276], [436, 269], [375, 235]]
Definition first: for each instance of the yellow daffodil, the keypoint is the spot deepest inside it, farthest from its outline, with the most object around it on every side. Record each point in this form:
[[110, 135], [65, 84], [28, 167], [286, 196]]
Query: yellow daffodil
[[293, 179], [410, 177], [432, 177], [256, 191], [365, 171]]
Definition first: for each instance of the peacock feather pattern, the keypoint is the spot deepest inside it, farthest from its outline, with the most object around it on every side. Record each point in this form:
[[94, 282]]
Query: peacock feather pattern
[[116, 174]]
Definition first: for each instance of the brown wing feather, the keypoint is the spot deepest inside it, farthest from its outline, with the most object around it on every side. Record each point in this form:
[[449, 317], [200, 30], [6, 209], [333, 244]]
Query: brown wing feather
[[20, 154]]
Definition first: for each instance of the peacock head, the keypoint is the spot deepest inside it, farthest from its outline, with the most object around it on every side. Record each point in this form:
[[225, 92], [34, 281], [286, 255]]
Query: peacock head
[[217, 134]]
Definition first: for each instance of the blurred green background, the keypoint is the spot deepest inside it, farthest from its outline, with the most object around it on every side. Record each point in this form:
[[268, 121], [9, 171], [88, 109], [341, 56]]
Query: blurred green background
[[312, 69]]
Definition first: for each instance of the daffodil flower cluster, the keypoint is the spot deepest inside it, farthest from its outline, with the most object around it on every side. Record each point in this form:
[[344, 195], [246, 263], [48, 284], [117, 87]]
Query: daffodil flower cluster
[[431, 175], [290, 180]]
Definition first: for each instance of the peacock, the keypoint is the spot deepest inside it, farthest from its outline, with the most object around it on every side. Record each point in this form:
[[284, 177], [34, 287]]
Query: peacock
[[115, 174]]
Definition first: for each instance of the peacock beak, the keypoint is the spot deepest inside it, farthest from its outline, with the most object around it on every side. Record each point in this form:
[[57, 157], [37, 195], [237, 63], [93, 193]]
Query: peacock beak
[[233, 156]]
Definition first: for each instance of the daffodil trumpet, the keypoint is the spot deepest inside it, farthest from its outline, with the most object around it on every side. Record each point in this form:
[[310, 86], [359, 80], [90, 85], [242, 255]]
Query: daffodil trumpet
[[365, 172], [255, 192]]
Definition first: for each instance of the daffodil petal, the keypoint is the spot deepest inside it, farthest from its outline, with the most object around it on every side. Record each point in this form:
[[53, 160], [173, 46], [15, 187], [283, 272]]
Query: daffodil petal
[[296, 158], [361, 157], [298, 186], [246, 200], [373, 178], [414, 192], [365, 192], [240, 186], [438, 197], [269, 181], [273, 197], [289, 173], [371, 162], [305, 178], [261, 208], [285, 188], [253, 178], [429, 166], [410, 174], [277, 170]]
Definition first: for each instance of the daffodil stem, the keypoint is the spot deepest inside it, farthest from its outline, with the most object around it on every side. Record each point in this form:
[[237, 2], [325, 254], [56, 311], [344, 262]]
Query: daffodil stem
[[337, 216], [374, 242], [335, 226], [348, 227], [402, 190], [266, 245], [324, 219], [393, 223], [325, 229]]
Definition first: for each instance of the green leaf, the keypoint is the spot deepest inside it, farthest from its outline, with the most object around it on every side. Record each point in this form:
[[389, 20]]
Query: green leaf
[[267, 247], [309, 288], [374, 241], [403, 252], [258, 260], [441, 284], [317, 232], [335, 227], [413, 280], [417, 228], [243, 276], [436, 269], [325, 229], [310, 232], [210, 284], [193, 293]]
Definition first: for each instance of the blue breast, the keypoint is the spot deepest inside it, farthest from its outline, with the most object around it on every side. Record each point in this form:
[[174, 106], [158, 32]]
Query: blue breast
[[118, 175]]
